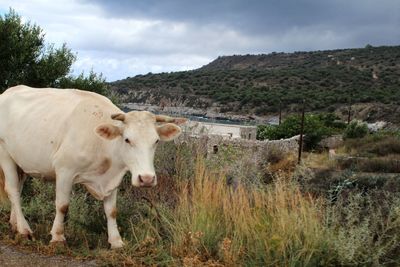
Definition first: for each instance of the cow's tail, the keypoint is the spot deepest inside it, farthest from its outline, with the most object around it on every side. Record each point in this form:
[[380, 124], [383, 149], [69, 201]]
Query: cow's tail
[[3, 194]]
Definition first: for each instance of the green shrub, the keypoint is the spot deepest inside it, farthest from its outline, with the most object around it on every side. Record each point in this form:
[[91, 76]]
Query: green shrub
[[389, 145], [316, 127], [382, 143], [266, 132], [356, 129], [366, 231], [388, 164]]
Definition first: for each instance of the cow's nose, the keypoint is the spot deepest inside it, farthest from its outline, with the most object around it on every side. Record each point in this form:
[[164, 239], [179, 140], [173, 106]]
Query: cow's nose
[[146, 180]]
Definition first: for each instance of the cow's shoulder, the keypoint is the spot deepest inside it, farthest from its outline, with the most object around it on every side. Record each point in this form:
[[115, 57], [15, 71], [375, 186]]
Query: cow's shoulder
[[17, 88], [55, 92], [87, 94]]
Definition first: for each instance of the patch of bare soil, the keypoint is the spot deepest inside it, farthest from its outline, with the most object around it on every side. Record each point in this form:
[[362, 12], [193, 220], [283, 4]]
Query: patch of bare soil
[[11, 256]]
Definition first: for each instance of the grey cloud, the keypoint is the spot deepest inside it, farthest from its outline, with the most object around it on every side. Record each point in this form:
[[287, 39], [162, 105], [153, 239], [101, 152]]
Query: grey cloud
[[214, 28], [261, 16], [126, 37]]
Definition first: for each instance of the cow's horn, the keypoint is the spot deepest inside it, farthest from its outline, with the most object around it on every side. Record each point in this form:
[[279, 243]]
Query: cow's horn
[[163, 118], [118, 116]]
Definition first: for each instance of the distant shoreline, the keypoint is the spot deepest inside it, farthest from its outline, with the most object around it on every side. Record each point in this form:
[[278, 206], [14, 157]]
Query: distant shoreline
[[201, 115]]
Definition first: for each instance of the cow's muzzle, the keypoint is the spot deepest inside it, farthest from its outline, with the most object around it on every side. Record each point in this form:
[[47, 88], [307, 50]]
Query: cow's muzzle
[[147, 180]]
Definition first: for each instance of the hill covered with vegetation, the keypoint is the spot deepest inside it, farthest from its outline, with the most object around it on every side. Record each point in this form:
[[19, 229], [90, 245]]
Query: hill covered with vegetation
[[256, 84]]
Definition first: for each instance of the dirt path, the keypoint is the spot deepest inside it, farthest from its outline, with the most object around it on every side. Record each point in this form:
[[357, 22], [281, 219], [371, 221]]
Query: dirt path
[[13, 257]]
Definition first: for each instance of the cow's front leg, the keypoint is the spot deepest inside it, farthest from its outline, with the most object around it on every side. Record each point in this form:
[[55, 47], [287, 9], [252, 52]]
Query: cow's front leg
[[110, 208], [64, 183]]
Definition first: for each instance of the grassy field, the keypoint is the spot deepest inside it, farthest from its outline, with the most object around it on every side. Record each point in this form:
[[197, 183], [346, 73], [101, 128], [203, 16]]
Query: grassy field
[[228, 210]]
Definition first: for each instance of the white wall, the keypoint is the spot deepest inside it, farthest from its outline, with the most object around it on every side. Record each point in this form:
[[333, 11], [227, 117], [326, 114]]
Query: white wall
[[205, 128]]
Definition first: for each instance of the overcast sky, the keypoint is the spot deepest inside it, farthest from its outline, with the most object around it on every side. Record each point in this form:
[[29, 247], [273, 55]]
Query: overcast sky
[[123, 38]]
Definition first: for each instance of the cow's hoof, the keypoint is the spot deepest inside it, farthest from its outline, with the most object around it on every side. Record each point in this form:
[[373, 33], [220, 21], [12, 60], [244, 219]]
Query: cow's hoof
[[117, 244], [57, 238], [24, 236], [14, 228], [61, 243]]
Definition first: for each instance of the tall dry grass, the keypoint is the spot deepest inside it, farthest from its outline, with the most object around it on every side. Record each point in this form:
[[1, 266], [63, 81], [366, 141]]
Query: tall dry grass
[[276, 225]]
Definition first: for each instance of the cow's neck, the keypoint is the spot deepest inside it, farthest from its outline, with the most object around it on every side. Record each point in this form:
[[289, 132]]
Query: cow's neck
[[106, 172]]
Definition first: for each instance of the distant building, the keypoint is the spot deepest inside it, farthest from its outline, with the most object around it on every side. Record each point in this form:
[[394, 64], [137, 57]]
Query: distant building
[[227, 131]]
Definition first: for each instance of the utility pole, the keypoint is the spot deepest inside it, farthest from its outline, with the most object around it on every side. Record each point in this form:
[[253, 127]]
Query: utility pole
[[349, 113], [301, 132], [280, 112]]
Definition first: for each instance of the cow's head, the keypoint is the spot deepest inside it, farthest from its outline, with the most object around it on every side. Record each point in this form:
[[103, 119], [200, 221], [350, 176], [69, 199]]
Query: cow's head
[[136, 135]]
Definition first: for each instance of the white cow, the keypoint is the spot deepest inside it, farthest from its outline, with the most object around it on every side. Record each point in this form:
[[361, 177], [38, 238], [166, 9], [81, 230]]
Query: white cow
[[73, 136]]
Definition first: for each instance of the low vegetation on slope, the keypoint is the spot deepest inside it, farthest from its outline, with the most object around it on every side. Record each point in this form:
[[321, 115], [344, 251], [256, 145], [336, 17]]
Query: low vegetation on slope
[[227, 209], [257, 83]]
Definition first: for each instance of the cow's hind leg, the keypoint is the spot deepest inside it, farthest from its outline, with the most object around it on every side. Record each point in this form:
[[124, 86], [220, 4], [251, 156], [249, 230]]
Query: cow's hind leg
[[13, 217], [12, 187], [64, 182]]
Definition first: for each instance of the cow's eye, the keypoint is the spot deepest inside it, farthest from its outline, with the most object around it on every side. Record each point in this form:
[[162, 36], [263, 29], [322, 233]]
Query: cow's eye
[[127, 141]]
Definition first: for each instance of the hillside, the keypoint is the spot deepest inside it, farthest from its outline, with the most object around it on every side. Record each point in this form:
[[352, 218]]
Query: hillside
[[255, 84]]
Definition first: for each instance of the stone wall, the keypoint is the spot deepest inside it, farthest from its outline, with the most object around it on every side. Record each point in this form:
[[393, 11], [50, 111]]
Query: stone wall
[[215, 142], [248, 132]]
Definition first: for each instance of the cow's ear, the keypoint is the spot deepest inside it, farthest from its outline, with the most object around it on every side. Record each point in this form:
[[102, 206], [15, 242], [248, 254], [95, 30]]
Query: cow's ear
[[108, 131], [168, 132]]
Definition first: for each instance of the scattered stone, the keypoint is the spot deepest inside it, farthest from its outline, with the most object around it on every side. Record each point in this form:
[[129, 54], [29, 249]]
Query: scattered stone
[[332, 142], [376, 126]]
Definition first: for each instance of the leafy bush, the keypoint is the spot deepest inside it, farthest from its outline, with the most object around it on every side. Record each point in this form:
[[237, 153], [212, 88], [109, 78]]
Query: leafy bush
[[315, 128], [366, 231], [94, 83], [25, 58], [266, 132], [356, 129]]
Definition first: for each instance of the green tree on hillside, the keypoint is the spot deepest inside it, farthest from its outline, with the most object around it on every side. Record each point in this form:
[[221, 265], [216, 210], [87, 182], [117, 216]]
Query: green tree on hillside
[[25, 58]]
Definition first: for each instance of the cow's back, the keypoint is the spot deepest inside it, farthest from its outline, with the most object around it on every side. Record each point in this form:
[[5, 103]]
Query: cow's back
[[36, 123]]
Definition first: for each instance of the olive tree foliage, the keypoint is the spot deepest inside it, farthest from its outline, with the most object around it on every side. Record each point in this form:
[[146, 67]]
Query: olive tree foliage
[[93, 82], [25, 58]]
